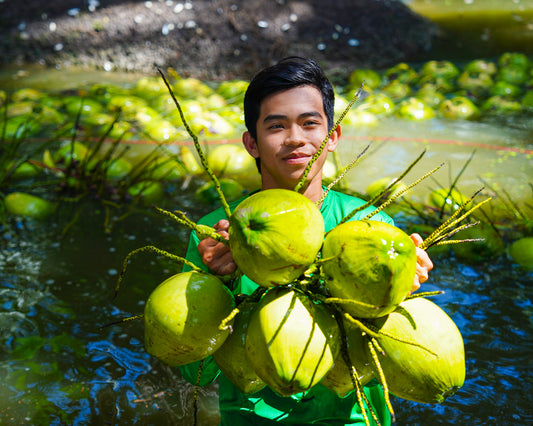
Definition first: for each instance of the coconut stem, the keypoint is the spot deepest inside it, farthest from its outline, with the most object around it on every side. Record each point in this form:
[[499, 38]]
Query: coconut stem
[[203, 231], [341, 175], [361, 397], [378, 196], [454, 183], [249, 299], [425, 294], [196, 389], [377, 334], [122, 321], [341, 301], [381, 375], [317, 154], [403, 190], [199, 150], [150, 249], [445, 230]]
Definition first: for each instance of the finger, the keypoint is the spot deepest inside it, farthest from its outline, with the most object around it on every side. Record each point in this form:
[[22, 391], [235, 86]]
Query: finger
[[222, 227], [417, 239], [224, 265], [212, 252], [207, 244], [422, 259], [421, 274]]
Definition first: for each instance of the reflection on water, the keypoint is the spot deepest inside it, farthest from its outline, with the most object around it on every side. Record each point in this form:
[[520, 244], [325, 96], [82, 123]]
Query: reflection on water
[[61, 364], [491, 305], [502, 155]]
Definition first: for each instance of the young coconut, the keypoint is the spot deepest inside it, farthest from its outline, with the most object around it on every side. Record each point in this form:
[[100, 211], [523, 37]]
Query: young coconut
[[428, 373], [182, 317], [339, 378], [232, 359], [291, 341], [275, 235], [370, 265]]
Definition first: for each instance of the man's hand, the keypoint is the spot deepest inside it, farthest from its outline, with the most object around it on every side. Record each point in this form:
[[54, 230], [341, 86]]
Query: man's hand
[[423, 263], [215, 255]]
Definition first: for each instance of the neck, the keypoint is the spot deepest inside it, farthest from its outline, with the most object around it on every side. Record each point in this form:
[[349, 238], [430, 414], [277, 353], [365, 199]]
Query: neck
[[313, 190]]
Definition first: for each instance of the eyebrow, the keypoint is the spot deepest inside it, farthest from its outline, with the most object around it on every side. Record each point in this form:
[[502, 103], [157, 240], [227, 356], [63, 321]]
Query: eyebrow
[[274, 117]]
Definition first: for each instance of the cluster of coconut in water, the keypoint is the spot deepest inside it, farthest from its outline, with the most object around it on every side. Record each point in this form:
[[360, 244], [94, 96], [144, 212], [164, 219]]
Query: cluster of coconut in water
[[331, 308]]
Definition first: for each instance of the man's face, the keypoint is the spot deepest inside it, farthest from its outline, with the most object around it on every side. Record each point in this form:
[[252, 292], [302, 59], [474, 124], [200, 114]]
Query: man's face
[[291, 127]]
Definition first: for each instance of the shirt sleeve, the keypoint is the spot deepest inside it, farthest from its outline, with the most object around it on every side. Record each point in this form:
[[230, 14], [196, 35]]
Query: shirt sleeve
[[192, 254]]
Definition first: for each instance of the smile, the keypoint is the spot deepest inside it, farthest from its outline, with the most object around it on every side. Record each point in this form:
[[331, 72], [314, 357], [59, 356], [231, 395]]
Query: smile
[[297, 158]]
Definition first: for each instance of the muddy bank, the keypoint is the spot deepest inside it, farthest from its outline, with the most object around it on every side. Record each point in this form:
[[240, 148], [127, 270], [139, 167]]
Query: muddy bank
[[210, 39]]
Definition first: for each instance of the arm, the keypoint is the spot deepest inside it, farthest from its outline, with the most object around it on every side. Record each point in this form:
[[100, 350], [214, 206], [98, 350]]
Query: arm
[[423, 263]]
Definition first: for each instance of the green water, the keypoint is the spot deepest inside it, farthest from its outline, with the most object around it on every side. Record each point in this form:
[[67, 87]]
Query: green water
[[479, 27]]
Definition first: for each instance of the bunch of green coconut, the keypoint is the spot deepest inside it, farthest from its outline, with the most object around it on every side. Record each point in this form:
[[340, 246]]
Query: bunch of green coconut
[[331, 308]]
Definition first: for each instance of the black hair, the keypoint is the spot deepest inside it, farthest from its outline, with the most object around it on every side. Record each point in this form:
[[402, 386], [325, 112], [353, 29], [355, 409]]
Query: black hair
[[287, 74]]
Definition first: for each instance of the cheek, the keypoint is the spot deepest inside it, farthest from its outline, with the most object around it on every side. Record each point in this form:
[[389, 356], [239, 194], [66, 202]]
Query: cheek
[[319, 163]]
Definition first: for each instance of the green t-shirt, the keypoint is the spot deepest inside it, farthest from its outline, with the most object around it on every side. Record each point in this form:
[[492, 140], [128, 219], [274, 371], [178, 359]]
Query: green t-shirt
[[319, 405]]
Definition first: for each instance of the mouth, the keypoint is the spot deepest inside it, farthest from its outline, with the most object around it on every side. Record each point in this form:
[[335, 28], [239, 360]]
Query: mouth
[[297, 158]]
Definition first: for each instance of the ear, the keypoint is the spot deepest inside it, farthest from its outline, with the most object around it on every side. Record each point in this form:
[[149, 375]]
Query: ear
[[250, 144], [334, 139]]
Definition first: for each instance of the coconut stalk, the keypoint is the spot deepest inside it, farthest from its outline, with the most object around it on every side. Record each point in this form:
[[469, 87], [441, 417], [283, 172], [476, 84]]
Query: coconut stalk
[[454, 183], [403, 190], [447, 229], [300, 185], [155, 250], [361, 397], [387, 188], [203, 231], [342, 173], [201, 154]]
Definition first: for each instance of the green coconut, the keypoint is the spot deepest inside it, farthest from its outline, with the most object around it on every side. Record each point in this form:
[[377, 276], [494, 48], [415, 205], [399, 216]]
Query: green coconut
[[70, 151], [291, 341], [447, 200], [208, 194], [339, 378], [521, 251], [412, 372], [182, 317], [275, 235], [28, 205], [370, 262], [232, 358], [147, 192], [230, 160]]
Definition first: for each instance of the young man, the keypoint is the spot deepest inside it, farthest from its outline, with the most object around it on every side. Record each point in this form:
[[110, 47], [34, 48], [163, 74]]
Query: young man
[[288, 113]]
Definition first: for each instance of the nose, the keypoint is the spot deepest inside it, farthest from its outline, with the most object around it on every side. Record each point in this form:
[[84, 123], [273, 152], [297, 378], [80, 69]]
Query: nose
[[295, 136]]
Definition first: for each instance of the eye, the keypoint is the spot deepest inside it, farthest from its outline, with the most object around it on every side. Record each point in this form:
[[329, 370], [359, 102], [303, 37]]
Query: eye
[[275, 126]]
